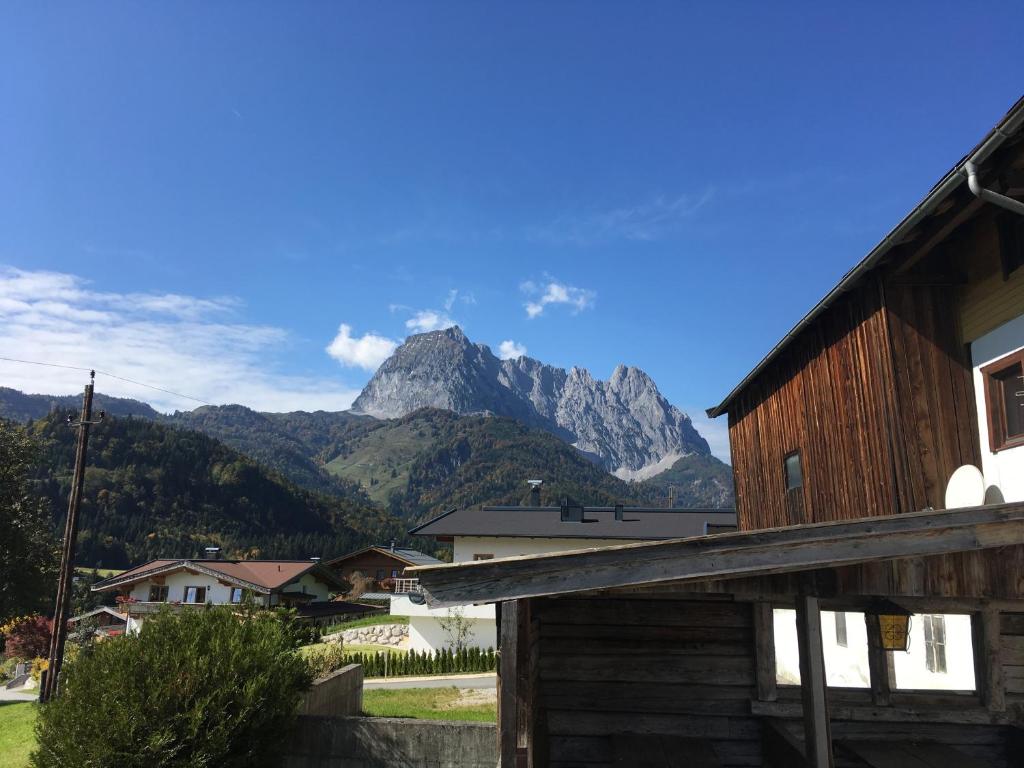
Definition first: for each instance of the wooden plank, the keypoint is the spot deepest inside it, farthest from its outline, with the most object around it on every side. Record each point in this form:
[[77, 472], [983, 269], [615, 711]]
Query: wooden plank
[[728, 555], [993, 690], [508, 714], [879, 668], [885, 754], [635, 750], [818, 739], [906, 715], [764, 651]]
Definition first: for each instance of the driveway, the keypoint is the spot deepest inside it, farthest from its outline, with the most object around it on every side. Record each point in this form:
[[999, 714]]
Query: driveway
[[486, 680], [6, 695]]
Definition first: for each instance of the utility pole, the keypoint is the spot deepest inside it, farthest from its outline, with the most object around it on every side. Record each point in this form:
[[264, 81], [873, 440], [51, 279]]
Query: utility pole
[[67, 561]]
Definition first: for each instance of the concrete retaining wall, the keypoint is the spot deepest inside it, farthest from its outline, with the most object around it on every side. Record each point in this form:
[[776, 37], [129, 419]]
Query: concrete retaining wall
[[385, 742], [339, 693]]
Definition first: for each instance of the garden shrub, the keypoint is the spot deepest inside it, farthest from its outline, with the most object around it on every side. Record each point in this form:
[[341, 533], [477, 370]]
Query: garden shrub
[[27, 637], [326, 659], [196, 689], [440, 662]]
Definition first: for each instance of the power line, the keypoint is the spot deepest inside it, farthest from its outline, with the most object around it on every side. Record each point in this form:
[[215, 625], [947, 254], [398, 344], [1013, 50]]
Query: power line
[[106, 373]]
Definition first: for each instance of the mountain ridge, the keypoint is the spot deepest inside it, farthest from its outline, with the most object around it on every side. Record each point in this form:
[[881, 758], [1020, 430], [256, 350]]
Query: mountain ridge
[[624, 423]]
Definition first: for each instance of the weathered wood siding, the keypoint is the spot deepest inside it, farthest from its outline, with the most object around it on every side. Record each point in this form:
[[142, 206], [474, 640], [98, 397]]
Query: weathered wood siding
[[684, 668], [877, 397], [938, 425], [830, 396], [1012, 652]]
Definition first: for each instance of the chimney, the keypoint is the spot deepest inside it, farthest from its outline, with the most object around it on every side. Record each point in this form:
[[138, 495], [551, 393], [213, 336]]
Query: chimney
[[392, 545], [315, 559], [212, 553], [571, 512], [618, 513], [535, 492]]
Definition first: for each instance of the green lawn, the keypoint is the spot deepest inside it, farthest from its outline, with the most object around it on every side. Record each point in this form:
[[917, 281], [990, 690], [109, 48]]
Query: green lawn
[[431, 704], [106, 573], [366, 621], [17, 737]]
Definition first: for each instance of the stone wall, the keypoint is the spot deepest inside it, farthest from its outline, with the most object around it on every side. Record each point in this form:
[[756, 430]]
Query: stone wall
[[339, 693], [385, 742], [375, 634]]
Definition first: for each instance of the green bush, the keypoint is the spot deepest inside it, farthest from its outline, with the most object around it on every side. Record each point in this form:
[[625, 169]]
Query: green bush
[[196, 689], [326, 659], [441, 662]]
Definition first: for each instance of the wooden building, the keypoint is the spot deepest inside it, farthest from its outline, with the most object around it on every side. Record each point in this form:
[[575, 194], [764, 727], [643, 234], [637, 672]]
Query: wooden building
[[843, 441], [381, 567]]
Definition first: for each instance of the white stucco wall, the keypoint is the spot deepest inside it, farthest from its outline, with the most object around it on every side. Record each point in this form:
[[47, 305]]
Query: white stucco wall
[[176, 584], [465, 547], [425, 631], [848, 667], [220, 594], [1005, 469]]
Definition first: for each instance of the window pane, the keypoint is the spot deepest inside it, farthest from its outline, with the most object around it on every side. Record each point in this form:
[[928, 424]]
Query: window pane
[[845, 666], [941, 655], [794, 472], [1012, 383]]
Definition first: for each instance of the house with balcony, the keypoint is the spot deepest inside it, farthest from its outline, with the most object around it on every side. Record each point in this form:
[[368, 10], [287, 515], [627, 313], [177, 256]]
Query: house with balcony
[[378, 569], [878, 458], [184, 584], [489, 532]]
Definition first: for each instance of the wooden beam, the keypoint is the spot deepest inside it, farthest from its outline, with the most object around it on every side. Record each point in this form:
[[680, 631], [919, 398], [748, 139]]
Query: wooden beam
[[988, 673], [792, 710], [939, 231], [729, 555], [817, 731], [879, 667], [508, 710], [764, 651]]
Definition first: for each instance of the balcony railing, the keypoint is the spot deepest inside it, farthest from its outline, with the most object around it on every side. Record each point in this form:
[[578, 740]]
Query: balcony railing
[[406, 586]]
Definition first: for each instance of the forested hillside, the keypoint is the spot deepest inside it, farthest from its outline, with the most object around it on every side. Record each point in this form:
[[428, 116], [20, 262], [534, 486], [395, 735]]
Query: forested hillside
[[157, 491]]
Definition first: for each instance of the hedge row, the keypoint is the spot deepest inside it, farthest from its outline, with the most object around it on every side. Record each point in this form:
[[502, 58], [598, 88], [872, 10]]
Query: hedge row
[[441, 662]]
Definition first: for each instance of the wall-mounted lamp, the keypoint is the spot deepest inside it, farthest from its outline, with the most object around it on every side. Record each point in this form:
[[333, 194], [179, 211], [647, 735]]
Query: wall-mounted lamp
[[893, 625]]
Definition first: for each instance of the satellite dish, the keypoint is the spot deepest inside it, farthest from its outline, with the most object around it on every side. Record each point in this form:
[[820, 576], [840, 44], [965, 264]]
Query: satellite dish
[[966, 488]]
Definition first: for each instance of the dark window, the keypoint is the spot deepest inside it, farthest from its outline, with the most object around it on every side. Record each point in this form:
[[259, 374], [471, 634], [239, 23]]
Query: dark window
[[237, 595], [381, 574], [195, 594], [935, 643], [841, 638], [1004, 401], [394, 573], [158, 594], [483, 557], [794, 472]]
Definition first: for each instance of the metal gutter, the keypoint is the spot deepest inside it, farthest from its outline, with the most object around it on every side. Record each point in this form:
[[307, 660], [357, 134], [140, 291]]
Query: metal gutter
[[1006, 128]]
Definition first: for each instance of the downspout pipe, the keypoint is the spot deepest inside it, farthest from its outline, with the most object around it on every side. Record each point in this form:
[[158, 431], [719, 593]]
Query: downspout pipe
[[987, 194]]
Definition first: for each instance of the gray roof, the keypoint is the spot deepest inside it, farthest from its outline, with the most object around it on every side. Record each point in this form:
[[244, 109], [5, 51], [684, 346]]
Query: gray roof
[[638, 523], [956, 177], [416, 557], [408, 556]]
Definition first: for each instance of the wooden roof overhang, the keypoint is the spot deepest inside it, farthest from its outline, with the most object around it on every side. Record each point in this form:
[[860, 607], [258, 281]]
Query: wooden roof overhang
[[726, 556]]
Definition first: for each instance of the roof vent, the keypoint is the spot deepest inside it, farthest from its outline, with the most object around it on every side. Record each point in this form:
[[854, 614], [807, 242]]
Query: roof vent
[[535, 491], [392, 545], [212, 553]]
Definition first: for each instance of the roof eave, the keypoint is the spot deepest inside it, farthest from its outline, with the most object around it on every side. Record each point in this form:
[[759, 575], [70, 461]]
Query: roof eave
[[1006, 128]]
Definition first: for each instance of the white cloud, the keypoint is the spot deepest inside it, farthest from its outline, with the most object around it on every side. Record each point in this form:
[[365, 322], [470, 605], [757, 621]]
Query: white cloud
[[554, 292], [510, 350], [367, 351], [196, 346], [429, 320]]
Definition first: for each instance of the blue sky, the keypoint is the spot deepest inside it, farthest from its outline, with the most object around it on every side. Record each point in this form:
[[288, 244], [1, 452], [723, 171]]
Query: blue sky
[[199, 195]]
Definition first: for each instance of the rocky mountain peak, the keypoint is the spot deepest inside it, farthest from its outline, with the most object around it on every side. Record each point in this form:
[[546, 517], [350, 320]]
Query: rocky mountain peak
[[624, 423]]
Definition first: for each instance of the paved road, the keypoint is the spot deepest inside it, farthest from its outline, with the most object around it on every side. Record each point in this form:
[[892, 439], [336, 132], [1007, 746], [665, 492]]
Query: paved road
[[6, 695], [458, 681]]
